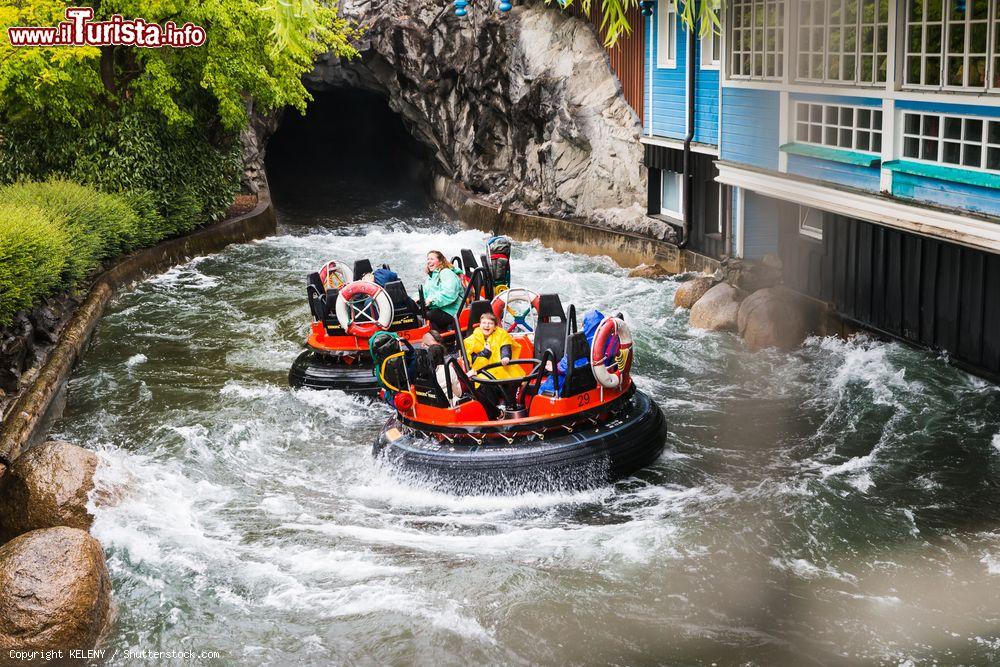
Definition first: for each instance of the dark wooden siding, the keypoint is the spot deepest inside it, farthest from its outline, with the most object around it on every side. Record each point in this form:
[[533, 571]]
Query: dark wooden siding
[[929, 292], [708, 237], [627, 57]]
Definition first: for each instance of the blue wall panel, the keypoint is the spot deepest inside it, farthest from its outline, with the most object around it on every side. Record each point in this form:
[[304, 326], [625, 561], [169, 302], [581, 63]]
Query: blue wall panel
[[750, 126], [837, 173], [946, 193], [960, 109], [668, 99]]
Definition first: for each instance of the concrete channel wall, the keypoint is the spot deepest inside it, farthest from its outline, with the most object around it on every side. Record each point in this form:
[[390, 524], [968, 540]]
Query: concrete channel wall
[[566, 235], [43, 400]]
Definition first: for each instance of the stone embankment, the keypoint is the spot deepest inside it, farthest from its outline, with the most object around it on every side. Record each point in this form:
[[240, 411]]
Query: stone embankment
[[55, 591]]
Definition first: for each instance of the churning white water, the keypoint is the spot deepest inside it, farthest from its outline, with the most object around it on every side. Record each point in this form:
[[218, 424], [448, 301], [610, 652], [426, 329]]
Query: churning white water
[[835, 505]]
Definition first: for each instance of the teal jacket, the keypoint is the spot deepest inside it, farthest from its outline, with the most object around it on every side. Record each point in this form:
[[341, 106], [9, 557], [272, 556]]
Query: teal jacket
[[443, 290]]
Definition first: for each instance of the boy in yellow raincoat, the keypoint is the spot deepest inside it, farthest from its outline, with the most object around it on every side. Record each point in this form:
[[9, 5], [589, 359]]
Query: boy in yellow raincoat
[[490, 344]]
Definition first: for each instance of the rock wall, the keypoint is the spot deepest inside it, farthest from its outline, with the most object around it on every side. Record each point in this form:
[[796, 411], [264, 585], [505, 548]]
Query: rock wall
[[522, 108]]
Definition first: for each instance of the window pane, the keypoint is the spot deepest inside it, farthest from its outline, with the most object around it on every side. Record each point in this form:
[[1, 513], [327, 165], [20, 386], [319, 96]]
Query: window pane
[[993, 159], [973, 129], [953, 128], [911, 147], [876, 143], [671, 192], [911, 123], [994, 137], [973, 155], [929, 150], [952, 152]]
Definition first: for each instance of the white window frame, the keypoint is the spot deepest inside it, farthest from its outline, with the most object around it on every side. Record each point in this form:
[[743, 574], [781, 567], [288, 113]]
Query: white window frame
[[807, 222], [942, 55], [753, 40], [846, 118], [679, 215], [814, 41], [983, 142], [666, 35], [711, 50]]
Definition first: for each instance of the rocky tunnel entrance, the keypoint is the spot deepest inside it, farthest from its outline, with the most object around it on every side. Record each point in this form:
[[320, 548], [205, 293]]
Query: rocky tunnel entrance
[[349, 148]]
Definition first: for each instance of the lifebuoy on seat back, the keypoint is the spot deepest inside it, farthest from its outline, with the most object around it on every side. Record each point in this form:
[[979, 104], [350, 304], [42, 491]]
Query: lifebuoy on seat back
[[363, 308], [611, 353]]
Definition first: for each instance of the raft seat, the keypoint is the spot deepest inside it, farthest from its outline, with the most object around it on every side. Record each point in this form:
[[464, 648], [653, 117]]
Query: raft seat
[[362, 267], [579, 379]]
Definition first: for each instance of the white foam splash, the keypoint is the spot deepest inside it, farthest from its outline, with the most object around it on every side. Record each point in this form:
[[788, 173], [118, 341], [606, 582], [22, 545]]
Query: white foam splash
[[136, 359]]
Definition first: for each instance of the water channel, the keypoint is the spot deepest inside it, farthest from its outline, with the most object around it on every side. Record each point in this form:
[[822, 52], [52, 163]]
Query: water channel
[[835, 505]]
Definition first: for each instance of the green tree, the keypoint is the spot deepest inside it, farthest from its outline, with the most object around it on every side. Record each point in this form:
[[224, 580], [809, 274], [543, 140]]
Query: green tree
[[255, 49], [700, 15]]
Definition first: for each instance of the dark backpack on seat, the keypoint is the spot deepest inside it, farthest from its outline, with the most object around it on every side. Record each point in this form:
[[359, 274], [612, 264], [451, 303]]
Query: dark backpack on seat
[[579, 379]]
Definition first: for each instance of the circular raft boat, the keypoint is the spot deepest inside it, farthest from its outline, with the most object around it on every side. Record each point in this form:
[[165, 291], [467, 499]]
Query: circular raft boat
[[347, 314], [541, 430]]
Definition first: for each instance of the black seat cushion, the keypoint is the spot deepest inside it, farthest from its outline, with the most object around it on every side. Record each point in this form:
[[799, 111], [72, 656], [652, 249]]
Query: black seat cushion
[[550, 309], [579, 379], [468, 261], [361, 268], [550, 336], [476, 310]]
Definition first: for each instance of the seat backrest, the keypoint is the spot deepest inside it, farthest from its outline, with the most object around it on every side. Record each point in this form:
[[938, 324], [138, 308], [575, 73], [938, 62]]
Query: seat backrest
[[476, 310], [333, 327], [550, 309], [362, 267], [397, 292], [422, 375], [468, 261], [578, 378], [550, 336]]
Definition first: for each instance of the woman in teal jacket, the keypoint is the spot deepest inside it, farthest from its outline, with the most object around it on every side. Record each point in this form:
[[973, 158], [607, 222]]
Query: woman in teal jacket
[[442, 292]]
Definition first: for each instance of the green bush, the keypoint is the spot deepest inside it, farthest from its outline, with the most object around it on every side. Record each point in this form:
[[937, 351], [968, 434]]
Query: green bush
[[97, 226], [33, 253], [190, 177]]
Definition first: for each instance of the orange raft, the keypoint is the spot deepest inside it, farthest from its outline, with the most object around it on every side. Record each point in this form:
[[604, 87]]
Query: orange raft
[[542, 431], [347, 314]]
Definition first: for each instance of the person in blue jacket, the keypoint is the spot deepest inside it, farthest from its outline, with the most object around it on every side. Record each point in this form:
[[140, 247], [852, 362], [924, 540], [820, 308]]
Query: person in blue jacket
[[591, 320]]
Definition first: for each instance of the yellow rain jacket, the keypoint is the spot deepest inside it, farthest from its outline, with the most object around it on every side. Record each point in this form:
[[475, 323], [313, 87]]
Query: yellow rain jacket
[[476, 343]]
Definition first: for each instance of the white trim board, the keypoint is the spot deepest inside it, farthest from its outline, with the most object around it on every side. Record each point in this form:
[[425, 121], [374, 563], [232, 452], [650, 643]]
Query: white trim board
[[875, 92], [679, 145], [965, 230]]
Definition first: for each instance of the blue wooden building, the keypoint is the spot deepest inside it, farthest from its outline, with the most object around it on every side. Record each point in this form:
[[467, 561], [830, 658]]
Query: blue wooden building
[[861, 141], [681, 127]]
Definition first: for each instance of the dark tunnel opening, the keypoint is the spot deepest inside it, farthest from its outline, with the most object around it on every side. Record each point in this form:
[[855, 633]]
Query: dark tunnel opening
[[349, 151]]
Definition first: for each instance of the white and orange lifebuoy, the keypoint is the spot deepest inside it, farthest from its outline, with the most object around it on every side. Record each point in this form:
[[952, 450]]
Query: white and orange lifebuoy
[[334, 274], [358, 319], [611, 352], [501, 305]]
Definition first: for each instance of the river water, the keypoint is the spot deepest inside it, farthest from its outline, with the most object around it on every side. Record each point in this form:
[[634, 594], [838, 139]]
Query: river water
[[835, 505]]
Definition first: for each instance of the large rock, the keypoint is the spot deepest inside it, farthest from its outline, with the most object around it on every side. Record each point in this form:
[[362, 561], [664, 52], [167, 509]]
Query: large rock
[[718, 309], [773, 317], [55, 592], [47, 486], [648, 271], [522, 108], [689, 292]]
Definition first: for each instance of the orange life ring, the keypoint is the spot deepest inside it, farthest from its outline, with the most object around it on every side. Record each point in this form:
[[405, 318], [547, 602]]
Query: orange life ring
[[613, 337], [360, 321]]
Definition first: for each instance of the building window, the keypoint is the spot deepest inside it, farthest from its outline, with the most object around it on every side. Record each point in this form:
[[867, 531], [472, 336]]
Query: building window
[[811, 222], [672, 194], [711, 50], [953, 44], [837, 126], [843, 41], [666, 35], [963, 141], [757, 39]]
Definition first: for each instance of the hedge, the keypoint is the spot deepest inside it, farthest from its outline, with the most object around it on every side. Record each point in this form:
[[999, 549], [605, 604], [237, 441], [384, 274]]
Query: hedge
[[33, 254]]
